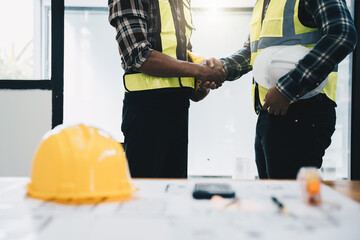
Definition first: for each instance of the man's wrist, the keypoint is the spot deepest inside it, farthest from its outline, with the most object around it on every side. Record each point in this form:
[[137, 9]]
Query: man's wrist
[[225, 67], [195, 70], [283, 91]]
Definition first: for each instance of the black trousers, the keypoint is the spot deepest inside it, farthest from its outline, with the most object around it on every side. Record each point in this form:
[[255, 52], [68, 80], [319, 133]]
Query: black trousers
[[155, 127], [284, 144]]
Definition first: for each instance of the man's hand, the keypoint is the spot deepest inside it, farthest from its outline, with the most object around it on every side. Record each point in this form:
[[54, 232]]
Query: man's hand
[[200, 93], [275, 102], [217, 75], [161, 65]]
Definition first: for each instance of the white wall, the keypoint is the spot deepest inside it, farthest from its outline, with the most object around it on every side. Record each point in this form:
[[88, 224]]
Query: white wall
[[93, 85], [25, 117], [222, 126]]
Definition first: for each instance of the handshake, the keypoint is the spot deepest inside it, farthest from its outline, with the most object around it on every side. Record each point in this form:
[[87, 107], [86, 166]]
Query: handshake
[[211, 74]]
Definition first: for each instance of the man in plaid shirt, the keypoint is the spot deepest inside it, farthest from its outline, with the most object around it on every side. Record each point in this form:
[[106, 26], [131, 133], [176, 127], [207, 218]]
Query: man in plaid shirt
[[289, 136], [153, 40]]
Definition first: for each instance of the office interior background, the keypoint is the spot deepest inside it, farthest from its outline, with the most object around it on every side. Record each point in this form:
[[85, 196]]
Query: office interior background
[[222, 126]]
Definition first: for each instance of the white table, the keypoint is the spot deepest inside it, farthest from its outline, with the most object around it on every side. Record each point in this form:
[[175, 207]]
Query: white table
[[164, 209]]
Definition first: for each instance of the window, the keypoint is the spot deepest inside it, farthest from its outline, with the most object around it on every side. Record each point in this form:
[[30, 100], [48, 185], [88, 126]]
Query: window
[[22, 54], [93, 85], [25, 99], [222, 127]]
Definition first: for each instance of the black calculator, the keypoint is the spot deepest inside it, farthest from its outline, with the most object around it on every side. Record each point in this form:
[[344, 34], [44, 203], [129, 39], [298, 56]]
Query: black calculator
[[207, 190]]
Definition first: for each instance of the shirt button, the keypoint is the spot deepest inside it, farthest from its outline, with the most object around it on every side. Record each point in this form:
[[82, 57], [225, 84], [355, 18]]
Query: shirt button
[[296, 120], [297, 95]]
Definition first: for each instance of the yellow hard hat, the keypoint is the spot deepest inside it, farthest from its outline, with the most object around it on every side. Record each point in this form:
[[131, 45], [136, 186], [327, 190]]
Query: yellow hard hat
[[80, 164], [195, 58]]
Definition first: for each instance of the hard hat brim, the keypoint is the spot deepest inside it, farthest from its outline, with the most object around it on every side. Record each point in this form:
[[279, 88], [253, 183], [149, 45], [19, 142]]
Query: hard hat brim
[[83, 198]]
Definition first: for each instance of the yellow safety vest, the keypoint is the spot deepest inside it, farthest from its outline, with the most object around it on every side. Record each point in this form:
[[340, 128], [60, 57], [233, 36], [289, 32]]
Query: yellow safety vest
[[281, 26], [143, 82]]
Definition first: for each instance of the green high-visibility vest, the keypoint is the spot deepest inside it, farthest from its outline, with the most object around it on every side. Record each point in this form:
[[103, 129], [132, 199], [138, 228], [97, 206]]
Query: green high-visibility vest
[[281, 26], [143, 82]]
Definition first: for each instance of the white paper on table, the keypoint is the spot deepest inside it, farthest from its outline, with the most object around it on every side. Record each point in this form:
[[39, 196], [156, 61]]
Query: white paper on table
[[166, 210]]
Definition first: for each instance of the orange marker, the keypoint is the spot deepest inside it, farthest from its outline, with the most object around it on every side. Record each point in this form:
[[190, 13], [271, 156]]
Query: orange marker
[[310, 182]]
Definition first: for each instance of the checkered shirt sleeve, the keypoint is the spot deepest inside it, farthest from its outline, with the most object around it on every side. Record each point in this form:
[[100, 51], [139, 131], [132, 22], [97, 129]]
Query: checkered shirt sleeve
[[336, 26], [130, 20], [237, 64]]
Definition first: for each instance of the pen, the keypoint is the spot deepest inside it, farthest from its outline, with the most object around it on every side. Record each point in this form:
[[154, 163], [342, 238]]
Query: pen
[[281, 206]]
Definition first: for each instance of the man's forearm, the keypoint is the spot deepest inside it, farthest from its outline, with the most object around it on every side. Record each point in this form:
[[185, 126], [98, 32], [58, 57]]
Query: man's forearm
[[161, 65]]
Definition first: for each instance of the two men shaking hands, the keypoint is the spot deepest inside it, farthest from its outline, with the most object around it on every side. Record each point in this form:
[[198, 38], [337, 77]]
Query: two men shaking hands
[[153, 38]]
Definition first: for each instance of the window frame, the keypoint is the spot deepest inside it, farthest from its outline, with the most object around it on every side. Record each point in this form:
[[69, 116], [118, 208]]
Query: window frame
[[57, 60], [56, 81], [355, 101]]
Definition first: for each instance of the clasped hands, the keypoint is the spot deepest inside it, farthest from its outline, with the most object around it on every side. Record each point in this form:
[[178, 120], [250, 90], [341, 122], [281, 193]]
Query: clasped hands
[[212, 74]]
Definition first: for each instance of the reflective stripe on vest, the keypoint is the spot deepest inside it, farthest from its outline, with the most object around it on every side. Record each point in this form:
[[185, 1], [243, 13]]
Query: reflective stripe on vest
[[281, 26], [141, 81]]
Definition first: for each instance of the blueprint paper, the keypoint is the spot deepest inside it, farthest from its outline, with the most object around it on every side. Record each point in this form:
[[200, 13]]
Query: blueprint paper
[[164, 209]]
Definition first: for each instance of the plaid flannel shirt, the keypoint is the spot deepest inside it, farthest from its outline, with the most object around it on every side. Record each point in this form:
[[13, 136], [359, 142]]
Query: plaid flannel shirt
[[131, 19], [336, 26], [138, 24]]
